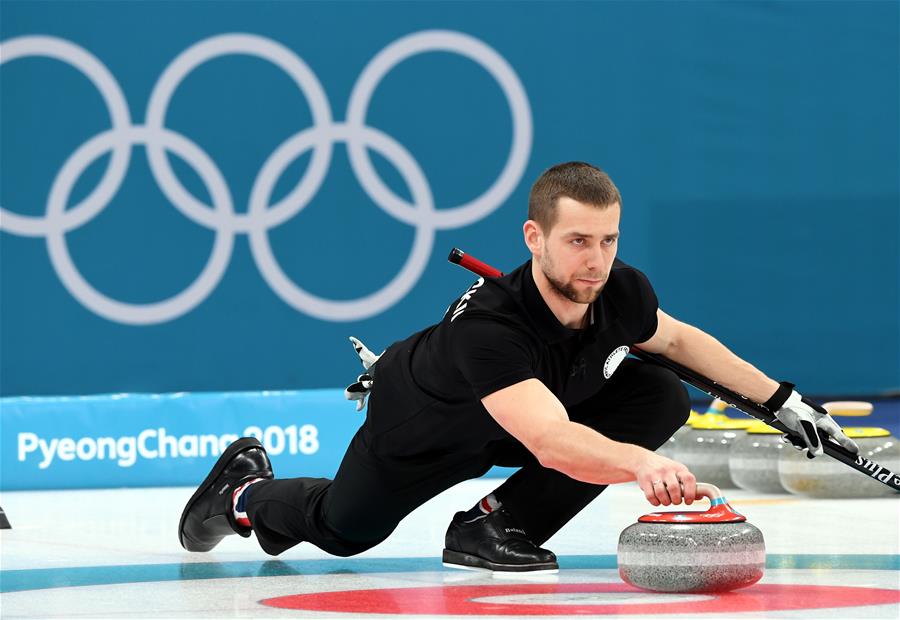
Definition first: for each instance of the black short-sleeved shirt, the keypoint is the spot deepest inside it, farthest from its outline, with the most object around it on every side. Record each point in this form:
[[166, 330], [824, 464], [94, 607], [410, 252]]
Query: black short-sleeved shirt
[[498, 333]]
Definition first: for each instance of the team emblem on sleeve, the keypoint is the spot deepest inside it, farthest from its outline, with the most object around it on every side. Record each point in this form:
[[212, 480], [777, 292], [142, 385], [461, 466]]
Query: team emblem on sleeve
[[612, 362]]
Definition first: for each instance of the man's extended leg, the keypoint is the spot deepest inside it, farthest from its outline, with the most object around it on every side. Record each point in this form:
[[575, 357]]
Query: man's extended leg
[[642, 404], [368, 497]]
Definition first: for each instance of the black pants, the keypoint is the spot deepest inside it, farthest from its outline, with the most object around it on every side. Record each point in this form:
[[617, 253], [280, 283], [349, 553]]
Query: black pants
[[371, 493]]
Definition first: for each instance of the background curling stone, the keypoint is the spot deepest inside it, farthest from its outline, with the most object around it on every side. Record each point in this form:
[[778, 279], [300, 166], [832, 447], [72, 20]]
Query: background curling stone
[[753, 460], [713, 412], [827, 477], [712, 551], [705, 450], [668, 449]]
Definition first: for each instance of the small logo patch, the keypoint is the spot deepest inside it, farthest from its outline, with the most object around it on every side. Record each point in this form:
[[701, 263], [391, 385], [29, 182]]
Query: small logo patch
[[578, 367], [612, 362]]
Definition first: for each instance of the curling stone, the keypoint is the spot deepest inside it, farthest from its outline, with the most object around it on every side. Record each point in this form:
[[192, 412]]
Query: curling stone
[[712, 551], [753, 460], [713, 412], [705, 449], [668, 449], [827, 477]]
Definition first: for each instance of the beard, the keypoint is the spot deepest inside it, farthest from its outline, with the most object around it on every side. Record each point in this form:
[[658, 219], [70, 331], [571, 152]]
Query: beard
[[567, 289]]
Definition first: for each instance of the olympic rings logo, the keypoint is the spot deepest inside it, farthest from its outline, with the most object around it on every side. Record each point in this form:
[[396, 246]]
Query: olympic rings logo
[[261, 216]]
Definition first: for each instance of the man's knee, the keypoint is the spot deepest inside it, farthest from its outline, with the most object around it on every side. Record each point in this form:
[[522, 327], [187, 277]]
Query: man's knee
[[352, 541], [345, 549]]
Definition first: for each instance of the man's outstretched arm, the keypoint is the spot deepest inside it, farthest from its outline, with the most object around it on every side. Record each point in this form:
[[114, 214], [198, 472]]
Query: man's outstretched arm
[[702, 353], [532, 414], [697, 350]]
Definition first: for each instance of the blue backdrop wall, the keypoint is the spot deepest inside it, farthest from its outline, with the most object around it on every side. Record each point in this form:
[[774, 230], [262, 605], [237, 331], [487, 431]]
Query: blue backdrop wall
[[213, 196]]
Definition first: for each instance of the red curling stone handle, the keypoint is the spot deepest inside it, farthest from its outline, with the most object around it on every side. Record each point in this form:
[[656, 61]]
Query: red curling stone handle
[[720, 511]]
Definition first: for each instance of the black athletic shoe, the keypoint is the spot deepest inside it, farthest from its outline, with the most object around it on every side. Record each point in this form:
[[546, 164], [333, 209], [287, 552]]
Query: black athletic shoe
[[208, 516], [494, 542]]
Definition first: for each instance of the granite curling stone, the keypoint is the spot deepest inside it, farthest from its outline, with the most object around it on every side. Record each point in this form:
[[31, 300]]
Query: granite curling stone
[[753, 460], [706, 448], [828, 478], [713, 412], [686, 552], [668, 449]]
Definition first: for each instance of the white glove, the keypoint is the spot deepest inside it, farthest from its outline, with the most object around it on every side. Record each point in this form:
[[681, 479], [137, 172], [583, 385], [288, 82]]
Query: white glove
[[804, 417], [359, 391]]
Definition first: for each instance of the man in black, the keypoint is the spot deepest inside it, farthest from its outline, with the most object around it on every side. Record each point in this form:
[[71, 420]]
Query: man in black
[[528, 370]]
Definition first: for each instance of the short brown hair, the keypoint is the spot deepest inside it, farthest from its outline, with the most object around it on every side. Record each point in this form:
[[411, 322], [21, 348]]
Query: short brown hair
[[577, 180]]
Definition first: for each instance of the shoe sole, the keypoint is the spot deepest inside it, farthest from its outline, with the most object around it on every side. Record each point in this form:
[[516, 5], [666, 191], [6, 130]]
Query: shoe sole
[[467, 561], [242, 444]]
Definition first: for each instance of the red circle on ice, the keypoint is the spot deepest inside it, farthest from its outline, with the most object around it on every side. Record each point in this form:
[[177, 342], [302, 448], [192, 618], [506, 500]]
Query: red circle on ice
[[469, 600]]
